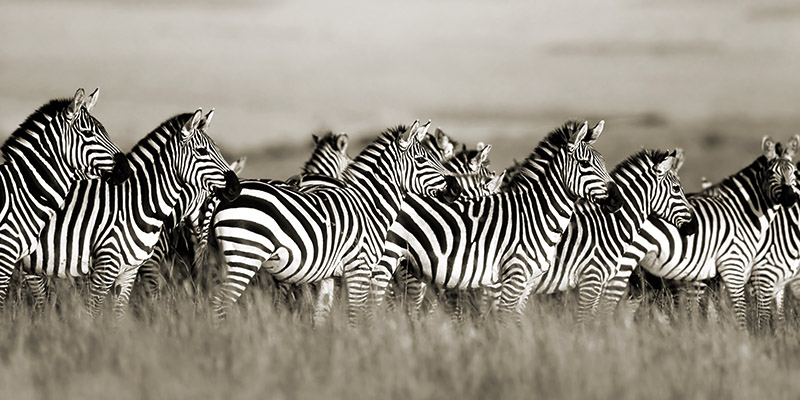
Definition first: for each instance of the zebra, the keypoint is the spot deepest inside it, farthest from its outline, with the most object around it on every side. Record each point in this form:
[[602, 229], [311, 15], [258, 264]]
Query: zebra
[[732, 218], [187, 212], [108, 231], [58, 145], [594, 240], [307, 237], [506, 239], [777, 262]]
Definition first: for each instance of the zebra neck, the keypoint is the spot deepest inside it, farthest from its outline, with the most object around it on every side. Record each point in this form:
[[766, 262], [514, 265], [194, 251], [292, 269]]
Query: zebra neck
[[374, 178], [542, 179], [741, 192], [42, 174], [635, 185], [154, 184]]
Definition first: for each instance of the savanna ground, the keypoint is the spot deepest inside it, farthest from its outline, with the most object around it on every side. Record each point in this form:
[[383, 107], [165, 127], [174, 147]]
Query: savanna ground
[[711, 77]]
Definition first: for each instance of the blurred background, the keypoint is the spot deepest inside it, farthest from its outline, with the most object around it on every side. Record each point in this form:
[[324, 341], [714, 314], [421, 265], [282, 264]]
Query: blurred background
[[712, 77]]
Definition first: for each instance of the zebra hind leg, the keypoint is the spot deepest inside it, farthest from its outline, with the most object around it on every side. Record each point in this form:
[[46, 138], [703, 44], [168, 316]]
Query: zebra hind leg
[[38, 286], [357, 284], [324, 302], [122, 289]]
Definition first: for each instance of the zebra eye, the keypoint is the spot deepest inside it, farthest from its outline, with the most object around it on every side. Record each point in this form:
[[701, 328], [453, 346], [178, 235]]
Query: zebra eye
[[584, 163], [202, 151], [420, 159], [676, 188]]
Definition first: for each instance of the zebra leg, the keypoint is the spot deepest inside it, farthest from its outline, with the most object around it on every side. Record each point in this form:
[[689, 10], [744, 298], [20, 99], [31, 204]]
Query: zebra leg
[[357, 282], [150, 270], [453, 305], [105, 273], [122, 289], [765, 289], [780, 318], [514, 284], [38, 287], [239, 271], [324, 301], [415, 291], [614, 290], [7, 262], [590, 286], [734, 281]]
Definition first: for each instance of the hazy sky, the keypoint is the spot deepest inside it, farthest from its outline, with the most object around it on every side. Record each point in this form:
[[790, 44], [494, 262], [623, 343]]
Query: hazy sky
[[278, 71]]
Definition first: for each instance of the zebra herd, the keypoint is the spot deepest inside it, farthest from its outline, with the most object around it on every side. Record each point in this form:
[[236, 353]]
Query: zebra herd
[[412, 211]]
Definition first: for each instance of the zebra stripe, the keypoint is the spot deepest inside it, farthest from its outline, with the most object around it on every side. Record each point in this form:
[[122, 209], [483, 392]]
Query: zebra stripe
[[505, 239], [59, 144], [306, 237], [732, 216], [109, 231], [594, 240]]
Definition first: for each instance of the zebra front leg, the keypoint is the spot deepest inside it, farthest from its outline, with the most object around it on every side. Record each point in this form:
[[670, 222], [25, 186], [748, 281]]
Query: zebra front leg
[[105, 272], [324, 301], [614, 290], [590, 286], [38, 286], [150, 270], [515, 282], [6, 271], [734, 281], [122, 289], [780, 318], [357, 283]]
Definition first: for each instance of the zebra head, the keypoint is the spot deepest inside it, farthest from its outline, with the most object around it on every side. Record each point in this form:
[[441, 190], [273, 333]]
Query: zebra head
[[585, 174], [420, 171], [667, 196], [86, 145], [329, 157], [199, 162], [778, 182], [468, 167]]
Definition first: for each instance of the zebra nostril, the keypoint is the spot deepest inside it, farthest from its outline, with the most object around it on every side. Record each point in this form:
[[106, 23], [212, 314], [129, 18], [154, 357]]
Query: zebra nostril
[[121, 171], [613, 201], [688, 228], [232, 186]]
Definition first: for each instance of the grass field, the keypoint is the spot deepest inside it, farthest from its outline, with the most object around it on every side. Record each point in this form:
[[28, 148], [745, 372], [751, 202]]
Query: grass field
[[170, 349]]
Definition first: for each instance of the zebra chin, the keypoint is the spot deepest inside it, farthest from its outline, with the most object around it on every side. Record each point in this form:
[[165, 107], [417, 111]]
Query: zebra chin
[[688, 228], [613, 201], [451, 191], [121, 171], [232, 187]]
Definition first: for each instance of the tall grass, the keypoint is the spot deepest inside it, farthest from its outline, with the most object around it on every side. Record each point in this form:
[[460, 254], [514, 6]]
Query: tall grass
[[171, 348]]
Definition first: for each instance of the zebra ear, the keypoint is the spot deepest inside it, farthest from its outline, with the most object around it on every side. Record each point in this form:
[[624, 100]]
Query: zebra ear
[[406, 138], [705, 183], [442, 140], [77, 102], [191, 125], [92, 100], [768, 147], [596, 131], [207, 120], [341, 142], [238, 166], [423, 130], [679, 159], [662, 169], [791, 147], [493, 185], [480, 157], [578, 136]]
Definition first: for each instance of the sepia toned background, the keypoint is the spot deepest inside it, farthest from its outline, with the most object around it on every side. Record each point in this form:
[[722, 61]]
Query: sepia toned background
[[712, 77]]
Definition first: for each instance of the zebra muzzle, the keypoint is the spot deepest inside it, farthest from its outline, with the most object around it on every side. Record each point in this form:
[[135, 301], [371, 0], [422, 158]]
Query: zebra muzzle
[[688, 228], [613, 201], [232, 187], [121, 171], [787, 197], [451, 191]]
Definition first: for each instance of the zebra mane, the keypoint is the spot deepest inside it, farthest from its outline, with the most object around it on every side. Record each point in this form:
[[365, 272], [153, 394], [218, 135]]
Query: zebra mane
[[655, 156], [544, 151], [165, 129], [41, 116]]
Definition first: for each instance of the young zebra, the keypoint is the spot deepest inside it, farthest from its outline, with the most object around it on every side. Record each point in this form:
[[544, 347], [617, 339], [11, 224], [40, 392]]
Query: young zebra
[[108, 231], [587, 253], [732, 218], [55, 147], [507, 239], [307, 237]]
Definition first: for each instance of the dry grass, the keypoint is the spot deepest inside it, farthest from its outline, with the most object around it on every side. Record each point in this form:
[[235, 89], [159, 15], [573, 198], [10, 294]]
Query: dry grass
[[171, 349]]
